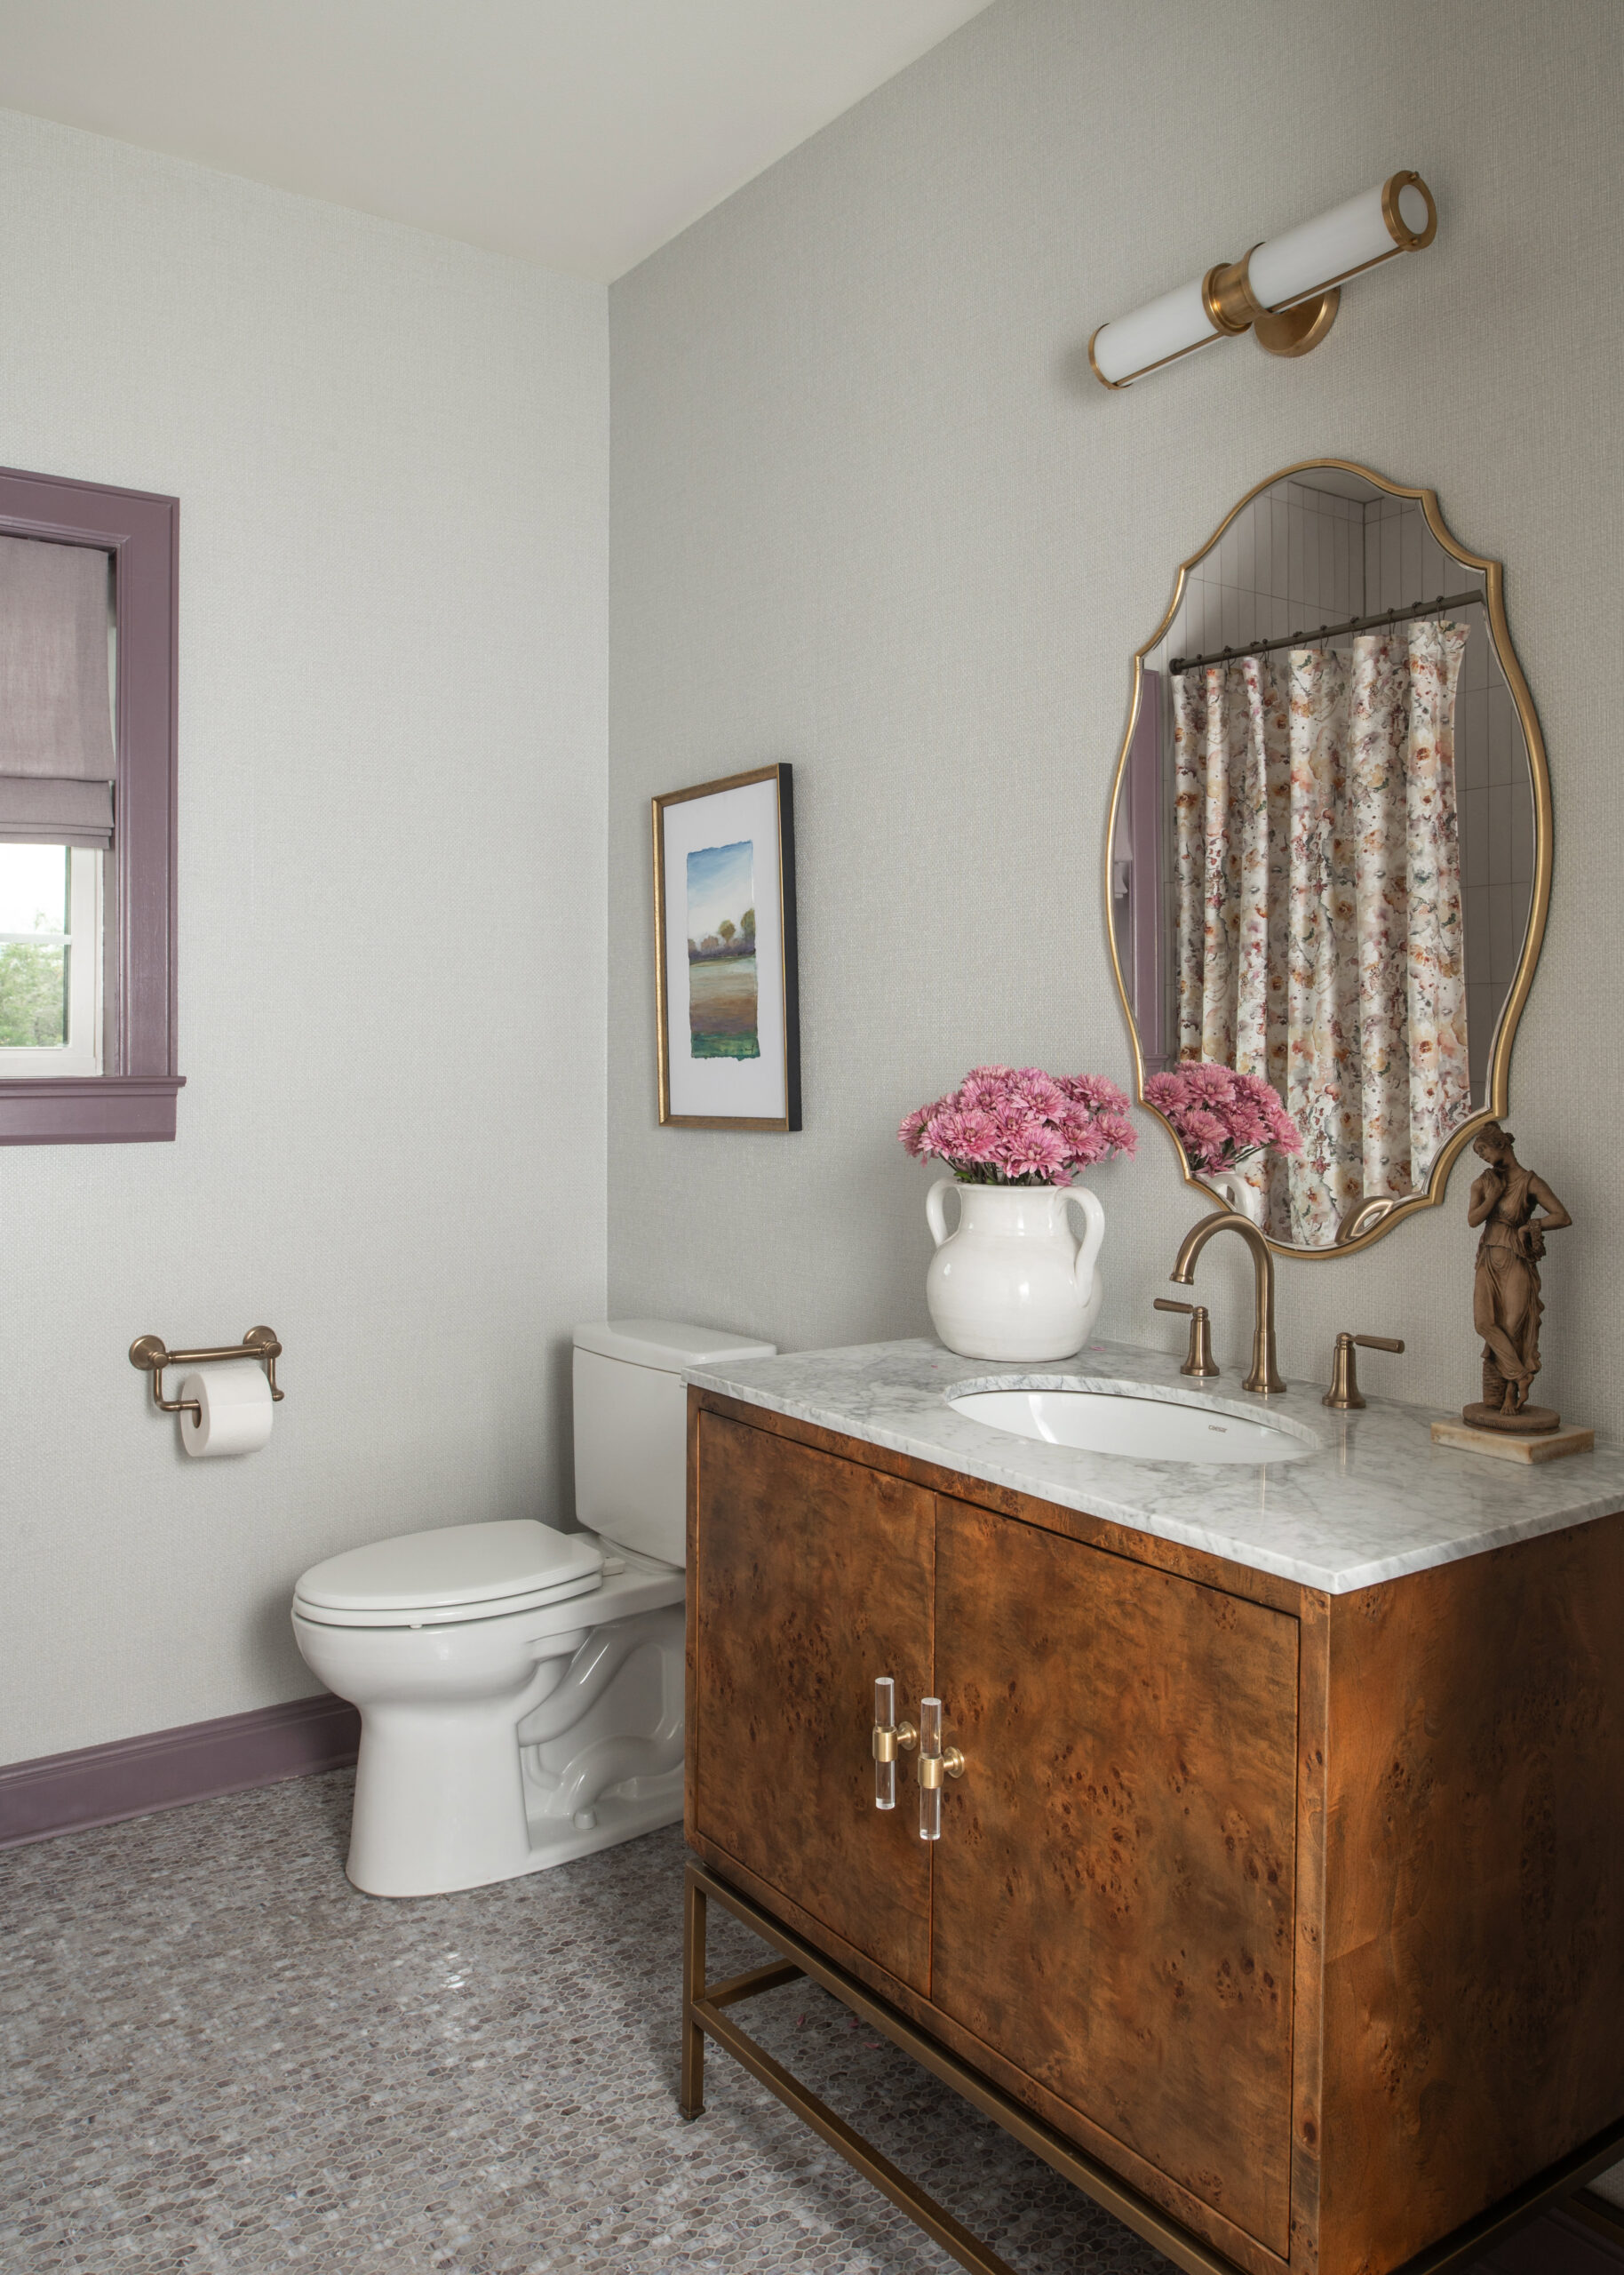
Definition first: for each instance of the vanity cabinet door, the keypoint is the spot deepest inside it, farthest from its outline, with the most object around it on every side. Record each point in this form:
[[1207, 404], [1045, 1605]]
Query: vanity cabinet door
[[810, 1577], [1113, 1906]]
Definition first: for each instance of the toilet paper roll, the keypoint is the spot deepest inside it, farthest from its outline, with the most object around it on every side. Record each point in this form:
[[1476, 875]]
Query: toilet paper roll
[[235, 1410]]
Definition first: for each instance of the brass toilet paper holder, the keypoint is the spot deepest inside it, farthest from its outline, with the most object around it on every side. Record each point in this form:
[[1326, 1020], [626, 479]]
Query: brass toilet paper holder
[[147, 1352]]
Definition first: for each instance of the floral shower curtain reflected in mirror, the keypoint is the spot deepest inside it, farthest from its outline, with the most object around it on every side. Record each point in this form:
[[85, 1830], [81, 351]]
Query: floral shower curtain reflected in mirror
[[1320, 908]]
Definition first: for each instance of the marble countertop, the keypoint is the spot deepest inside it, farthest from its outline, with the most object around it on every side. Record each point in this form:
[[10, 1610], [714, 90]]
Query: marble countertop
[[1377, 1499]]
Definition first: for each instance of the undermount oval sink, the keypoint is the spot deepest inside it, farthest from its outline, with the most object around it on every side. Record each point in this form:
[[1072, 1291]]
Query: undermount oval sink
[[1135, 1422]]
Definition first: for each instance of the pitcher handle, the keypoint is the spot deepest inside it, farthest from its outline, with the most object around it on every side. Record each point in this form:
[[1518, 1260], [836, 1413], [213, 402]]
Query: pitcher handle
[[935, 1215], [1088, 1247]]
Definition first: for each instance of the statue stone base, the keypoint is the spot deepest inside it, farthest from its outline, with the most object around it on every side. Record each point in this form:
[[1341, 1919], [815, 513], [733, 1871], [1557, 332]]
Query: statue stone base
[[1527, 1422], [1514, 1445]]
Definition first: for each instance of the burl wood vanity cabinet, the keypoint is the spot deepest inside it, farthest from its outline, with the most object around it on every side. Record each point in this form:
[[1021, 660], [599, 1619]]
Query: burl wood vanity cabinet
[[1302, 1914]]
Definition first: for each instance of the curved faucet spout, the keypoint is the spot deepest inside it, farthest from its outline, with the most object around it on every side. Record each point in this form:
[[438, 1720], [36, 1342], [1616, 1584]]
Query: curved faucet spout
[[1265, 1376]]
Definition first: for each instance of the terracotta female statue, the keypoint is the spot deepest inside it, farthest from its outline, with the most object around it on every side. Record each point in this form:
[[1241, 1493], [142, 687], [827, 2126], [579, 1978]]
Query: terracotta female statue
[[1506, 1305]]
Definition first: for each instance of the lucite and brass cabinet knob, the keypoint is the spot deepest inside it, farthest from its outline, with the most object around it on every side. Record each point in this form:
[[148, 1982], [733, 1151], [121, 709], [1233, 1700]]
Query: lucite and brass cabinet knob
[[935, 1762], [890, 1738]]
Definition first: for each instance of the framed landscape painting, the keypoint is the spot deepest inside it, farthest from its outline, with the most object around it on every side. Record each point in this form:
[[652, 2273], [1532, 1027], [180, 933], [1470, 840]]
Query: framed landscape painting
[[724, 953]]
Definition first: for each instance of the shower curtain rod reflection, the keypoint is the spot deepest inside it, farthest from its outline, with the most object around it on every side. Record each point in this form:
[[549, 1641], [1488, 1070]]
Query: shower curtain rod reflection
[[1327, 632]]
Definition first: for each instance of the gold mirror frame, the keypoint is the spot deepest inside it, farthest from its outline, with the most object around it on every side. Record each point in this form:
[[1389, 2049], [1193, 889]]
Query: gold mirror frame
[[1383, 1213]]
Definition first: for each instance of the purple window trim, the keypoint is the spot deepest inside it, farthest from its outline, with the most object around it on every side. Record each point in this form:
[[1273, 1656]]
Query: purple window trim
[[134, 1101]]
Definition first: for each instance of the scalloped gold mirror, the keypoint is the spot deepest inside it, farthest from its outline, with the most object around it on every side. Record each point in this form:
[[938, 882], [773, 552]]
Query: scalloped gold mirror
[[1328, 862]]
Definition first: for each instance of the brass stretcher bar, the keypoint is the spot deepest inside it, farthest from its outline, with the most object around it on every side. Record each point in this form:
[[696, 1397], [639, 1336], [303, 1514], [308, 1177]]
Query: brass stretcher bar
[[704, 2017]]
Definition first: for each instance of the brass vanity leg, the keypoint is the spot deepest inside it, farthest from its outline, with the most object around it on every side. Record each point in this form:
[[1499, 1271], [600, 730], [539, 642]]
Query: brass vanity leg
[[692, 2101], [704, 2002]]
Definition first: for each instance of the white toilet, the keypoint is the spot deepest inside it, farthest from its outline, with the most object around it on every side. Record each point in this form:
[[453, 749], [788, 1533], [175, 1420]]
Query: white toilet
[[521, 1689]]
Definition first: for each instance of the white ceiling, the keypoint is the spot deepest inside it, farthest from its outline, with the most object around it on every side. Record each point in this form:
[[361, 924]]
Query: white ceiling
[[579, 133]]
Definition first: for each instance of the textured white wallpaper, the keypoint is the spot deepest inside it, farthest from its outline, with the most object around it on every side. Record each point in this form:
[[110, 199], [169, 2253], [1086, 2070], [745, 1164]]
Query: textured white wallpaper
[[392, 457], [870, 514]]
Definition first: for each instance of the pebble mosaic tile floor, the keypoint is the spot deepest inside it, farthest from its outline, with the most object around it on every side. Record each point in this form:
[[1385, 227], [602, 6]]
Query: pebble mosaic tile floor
[[219, 2060]]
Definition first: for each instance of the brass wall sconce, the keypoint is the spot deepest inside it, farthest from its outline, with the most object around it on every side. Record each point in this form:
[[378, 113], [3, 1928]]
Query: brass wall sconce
[[1286, 292]]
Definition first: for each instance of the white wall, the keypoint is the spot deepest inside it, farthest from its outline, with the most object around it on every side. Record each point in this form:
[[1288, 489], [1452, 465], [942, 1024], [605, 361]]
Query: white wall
[[391, 458], [872, 515]]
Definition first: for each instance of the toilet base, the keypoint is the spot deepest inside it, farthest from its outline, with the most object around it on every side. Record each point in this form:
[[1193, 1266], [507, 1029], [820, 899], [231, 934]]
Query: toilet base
[[495, 1747], [554, 1840], [559, 1841]]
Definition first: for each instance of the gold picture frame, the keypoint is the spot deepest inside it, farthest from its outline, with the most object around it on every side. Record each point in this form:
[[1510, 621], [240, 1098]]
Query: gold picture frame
[[735, 1006]]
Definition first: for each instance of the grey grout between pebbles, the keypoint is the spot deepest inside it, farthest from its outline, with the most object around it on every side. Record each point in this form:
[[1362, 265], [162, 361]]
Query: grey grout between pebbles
[[220, 2060]]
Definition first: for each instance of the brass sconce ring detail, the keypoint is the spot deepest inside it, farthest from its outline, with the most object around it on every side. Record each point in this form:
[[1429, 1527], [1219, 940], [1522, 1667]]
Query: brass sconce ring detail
[[1406, 238], [1233, 308], [1093, 367], [1231, 305]]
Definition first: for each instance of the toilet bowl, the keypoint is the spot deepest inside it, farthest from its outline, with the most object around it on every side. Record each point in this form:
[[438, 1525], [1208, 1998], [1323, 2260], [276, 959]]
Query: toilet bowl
[[521, 1688]]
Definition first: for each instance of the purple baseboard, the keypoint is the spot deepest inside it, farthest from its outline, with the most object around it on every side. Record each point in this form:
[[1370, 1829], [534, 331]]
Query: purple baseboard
[[164, 1770]]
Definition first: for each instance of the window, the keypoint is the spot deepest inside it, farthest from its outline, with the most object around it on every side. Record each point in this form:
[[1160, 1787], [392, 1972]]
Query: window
[[87, 865], [50, 960]]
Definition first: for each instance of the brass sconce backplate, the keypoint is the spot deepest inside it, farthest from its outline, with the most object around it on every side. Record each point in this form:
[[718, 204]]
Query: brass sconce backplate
[[1295, 332]]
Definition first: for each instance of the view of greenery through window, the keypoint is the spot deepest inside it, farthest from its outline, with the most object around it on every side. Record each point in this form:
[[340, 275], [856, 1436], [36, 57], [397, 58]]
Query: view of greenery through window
[[34, 947]]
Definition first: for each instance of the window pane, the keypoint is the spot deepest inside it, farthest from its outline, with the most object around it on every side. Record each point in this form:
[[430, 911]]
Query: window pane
[[33, 980], [33, 998], [33, 889]]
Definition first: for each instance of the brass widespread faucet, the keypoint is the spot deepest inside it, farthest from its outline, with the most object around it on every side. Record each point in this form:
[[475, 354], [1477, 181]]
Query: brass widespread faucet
[[1265, 1376]]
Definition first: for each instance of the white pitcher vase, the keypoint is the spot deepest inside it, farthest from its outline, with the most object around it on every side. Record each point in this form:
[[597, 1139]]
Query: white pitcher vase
[[1247, 1200], [1014, 1282]]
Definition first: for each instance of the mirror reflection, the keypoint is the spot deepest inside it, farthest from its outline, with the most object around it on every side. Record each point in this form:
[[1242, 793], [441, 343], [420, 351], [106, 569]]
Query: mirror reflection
[[1327, 851]]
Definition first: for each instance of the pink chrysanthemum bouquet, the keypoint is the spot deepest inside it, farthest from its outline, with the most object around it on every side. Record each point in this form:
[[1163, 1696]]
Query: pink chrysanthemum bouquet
[[1220, 1117], [1007, 1125]]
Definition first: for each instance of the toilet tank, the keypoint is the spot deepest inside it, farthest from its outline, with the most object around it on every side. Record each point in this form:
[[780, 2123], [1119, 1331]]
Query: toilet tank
[[630, 1426]]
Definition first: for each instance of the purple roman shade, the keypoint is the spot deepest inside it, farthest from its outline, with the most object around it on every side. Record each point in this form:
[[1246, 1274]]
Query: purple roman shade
[[56, 732]]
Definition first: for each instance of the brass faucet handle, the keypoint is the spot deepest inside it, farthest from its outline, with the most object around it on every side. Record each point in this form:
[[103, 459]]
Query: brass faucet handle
[[1344, 1395], [1199, 1359]]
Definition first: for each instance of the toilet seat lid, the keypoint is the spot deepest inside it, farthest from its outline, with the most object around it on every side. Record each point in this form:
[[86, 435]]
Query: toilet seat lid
[[455, 1566]]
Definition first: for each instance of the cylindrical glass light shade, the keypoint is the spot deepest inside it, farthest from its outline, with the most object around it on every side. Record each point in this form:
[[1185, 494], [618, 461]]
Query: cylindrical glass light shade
[[1350, 237], [1152, 334]]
